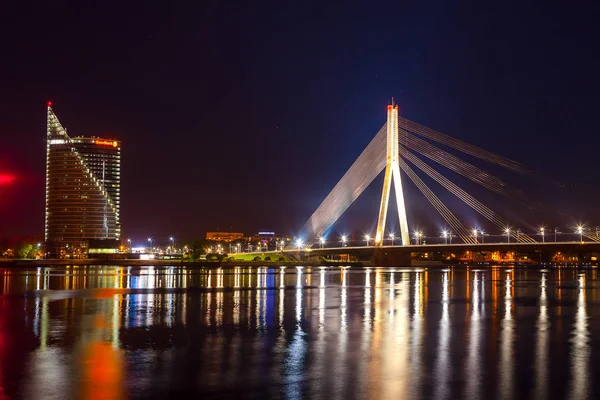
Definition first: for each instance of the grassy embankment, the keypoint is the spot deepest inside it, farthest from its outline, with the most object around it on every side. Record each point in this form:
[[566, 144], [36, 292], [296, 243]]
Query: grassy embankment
[[263, 256]]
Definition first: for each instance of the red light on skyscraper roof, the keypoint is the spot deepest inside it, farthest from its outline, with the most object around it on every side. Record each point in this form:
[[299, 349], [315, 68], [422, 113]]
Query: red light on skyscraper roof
[[49, 103], [102, 142]]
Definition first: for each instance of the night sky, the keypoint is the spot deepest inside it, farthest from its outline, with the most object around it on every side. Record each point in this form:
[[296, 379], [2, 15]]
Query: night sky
[[243, 115]]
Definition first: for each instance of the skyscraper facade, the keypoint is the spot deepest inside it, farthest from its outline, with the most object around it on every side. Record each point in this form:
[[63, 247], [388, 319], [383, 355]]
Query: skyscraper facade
[[83, 187]]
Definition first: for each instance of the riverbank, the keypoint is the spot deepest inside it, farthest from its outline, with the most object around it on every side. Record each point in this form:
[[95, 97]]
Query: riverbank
[[6, 263]]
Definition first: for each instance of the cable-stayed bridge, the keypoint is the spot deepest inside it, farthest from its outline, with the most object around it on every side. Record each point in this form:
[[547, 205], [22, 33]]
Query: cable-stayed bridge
[[404, 145]]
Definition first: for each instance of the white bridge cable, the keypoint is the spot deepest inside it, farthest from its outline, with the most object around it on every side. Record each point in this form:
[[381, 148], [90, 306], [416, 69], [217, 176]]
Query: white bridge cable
[[441, 208], [359, 176], [462, 146], [463, 168], [461, 194], [592, 236]]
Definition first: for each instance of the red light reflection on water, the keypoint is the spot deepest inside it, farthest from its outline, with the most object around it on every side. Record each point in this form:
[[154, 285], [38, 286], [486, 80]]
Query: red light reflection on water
[[102, 368], [2, 347]]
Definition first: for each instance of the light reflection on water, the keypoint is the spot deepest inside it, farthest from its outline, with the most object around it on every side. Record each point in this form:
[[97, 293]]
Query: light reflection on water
[[119, 332]]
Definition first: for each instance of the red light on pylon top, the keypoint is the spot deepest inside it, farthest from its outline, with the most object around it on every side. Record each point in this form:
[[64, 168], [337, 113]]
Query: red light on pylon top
[[49, 103]]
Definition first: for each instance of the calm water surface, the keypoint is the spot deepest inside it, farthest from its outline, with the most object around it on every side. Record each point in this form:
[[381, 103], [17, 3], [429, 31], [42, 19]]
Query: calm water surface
[[118, 332]]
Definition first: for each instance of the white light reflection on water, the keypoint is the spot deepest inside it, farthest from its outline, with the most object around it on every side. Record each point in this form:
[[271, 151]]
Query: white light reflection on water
[[296, 350], [49, 372], [321, 344], [394, 367], [282, 277], [236, 278], [150, 297], [376, 342], [392, 296], [236, 296], [416, 363], [342, 350], [281, 307], [474, 352], [580, 349], [367, 333], [219, 299], [344, 303], [506, 342], [44, 324], [442, 367], [367, 323], [116, 321], [258, 298], [322, 289], [542, 344]]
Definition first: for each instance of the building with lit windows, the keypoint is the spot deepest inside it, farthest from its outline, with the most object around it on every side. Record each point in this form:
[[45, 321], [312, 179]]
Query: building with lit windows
[[224, 236], [82, 191]]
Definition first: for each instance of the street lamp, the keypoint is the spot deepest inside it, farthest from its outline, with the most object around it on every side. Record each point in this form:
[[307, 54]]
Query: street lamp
[[416, 236], [542, 233], [343, 240], [129, 243], [172, 239], [482, 236], [322, 241], [555, 233], [367, 238], [392, 238], [445, 236], [475, 234], [298, 243], [507, 231], [580, 231], [150, 241]]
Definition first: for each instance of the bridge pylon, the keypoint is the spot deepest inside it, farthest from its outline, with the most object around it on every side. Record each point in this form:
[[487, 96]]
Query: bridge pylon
[[392, 175]]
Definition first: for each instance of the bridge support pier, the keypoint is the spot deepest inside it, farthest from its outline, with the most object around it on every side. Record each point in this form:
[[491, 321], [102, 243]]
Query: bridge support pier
[[384, 257]]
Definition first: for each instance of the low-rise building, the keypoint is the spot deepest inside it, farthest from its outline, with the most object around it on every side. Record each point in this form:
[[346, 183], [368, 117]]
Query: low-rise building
[[224, 236]]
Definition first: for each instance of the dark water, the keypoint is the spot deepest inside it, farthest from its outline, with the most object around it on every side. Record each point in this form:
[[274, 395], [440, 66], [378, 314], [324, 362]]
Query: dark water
[[112, 332]]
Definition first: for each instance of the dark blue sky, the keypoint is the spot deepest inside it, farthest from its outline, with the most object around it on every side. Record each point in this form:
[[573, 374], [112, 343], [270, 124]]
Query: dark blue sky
[[243, 115]]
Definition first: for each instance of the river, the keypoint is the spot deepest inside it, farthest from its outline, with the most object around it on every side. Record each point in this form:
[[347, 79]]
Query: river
[[338, 333]]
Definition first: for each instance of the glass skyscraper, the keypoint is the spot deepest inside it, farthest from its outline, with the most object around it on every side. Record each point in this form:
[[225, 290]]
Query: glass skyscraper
[[82, 190]]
